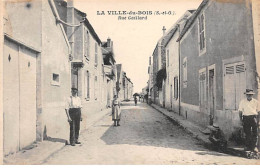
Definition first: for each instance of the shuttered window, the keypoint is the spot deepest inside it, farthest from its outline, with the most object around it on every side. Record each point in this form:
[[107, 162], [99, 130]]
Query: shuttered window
[[87, 87], [201, 33], [176, 87], [234, 85], [86, 44], [202, 89], [96, 88], [96, 54], [184, 65]]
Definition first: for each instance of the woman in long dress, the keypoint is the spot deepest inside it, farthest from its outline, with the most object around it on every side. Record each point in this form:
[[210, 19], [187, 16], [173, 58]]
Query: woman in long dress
[[116, 112]]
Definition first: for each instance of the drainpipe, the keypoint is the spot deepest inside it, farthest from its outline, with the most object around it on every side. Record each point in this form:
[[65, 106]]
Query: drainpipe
[[70, 20], [179, 49], [54, 10]]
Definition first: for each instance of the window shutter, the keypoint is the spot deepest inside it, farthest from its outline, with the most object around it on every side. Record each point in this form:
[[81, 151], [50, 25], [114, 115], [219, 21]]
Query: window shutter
[[229, 85], [240, 83]]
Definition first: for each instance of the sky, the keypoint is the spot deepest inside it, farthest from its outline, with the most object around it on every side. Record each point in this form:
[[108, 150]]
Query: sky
[[134, 40]]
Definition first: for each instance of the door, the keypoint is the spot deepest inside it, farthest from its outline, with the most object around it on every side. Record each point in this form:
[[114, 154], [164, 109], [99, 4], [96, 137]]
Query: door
[[203, 91], [171, 97], [211, 96], [19, 97], [11, 97], [27, 68], [234, 85]]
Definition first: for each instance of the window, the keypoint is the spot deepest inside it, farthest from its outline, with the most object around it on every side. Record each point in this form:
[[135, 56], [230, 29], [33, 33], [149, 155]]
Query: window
[[87, 87], [55, 79], [167, 58], [184, 65], [202, 43], [202, 88], [86, 44], [168, 76], [96, 87], [234, 85], [96, 54], [176, 87]]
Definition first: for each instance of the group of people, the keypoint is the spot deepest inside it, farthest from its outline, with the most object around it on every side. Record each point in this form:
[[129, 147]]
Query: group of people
[[73, 111], [248, 112]]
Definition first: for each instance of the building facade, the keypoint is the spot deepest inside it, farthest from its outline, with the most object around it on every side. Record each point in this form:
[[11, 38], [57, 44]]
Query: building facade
[[172, 48], [36, 74], [217, 63], [110, 71], [87, 66]]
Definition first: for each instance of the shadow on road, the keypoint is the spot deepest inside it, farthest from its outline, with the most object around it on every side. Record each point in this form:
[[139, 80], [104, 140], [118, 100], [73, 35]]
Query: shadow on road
[[144, 126], [56, 140]]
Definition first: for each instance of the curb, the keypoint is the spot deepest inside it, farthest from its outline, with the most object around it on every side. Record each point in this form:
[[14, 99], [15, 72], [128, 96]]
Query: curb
[[47, 148], [206, 142]]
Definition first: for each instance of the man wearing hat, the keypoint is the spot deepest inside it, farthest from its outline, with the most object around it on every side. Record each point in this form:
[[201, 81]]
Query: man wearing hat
[[248, 112], [73, 111]]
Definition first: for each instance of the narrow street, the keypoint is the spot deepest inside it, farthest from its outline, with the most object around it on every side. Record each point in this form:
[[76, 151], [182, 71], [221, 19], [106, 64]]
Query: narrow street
[[144, 137]]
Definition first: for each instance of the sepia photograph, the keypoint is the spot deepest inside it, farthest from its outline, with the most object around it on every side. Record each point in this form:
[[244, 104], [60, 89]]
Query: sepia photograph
[[128, 82]]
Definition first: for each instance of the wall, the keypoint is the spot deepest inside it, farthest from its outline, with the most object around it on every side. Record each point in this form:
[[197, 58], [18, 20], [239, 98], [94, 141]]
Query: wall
[[172, 71], [28, 31], [227, 37], [54, 59], [155, 98], [21, 73], [1, 79]]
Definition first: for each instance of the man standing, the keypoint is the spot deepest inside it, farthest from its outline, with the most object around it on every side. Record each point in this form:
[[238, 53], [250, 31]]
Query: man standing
[[248, 112], [73, 111]]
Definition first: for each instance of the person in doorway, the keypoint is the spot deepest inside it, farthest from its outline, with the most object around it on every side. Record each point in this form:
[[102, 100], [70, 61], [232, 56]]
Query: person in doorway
[[248, 113], [116, 115], [73, 111], [217, 137]]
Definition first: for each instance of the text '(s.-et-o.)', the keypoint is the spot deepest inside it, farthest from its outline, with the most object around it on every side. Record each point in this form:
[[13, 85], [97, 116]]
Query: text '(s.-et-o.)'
[[135, 15]]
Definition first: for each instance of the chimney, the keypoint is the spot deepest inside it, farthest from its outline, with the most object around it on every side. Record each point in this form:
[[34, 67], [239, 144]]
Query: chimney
[[163, 29], [109, 42], [70, 20]]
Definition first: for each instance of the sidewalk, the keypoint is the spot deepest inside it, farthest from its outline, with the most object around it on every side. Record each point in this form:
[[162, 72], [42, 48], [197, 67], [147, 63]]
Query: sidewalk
[[196, 131], [38, 152]]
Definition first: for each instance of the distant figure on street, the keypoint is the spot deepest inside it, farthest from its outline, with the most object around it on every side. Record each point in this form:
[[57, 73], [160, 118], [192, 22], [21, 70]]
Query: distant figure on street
[[248, 113], [116, 112], [135, 99], [217, 137], [73, 111]]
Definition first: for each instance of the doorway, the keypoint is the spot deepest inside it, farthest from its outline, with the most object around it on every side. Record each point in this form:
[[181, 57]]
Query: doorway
[[212, 95]]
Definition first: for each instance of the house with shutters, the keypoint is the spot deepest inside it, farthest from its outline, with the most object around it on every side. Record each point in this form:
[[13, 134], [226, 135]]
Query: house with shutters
[[110, 71], [36, 74], [172, 48], [119, 83], [159, 71], [87, 69], [127, 87], [217, 63]]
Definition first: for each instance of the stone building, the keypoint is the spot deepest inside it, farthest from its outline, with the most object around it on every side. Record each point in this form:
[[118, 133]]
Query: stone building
[[87, 66], [36, 74], [110, 71], [218, 63], [172, 47]]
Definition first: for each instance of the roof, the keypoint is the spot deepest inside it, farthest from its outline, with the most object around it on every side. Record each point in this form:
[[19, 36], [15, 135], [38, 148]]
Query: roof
[[192, 19], [86, 21], [187, 14], [169, 34]]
